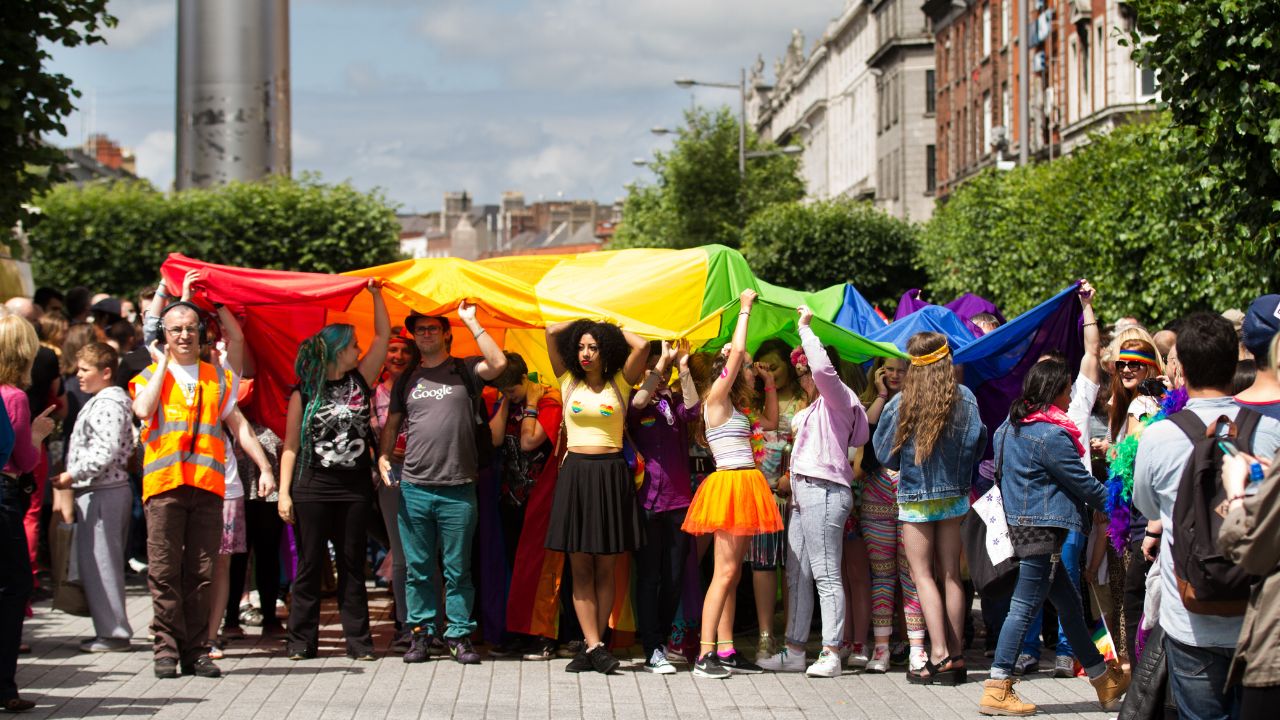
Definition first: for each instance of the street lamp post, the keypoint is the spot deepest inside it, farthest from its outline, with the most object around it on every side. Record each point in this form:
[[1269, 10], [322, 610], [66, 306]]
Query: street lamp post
[[741, 87]]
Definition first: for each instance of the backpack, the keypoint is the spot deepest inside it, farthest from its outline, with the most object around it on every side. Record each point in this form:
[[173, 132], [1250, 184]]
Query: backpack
[[485, 451], [1208, 583]]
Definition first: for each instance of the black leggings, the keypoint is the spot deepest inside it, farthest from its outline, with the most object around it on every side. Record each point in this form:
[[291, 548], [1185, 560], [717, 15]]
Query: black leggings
[[1259, 703], [345, 525], [660, 576], [263, 527]]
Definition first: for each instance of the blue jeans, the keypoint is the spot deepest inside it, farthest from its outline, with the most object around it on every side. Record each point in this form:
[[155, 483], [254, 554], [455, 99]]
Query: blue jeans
[[1071, 551], [815, 544], [438, 520], [1039, 577], [1197, 676]]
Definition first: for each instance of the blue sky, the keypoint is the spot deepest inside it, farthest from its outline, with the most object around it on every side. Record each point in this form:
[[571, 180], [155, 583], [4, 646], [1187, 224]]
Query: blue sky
[[419, 97]]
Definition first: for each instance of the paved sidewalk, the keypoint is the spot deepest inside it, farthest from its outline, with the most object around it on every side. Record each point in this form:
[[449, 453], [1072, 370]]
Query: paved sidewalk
[[259, 682]]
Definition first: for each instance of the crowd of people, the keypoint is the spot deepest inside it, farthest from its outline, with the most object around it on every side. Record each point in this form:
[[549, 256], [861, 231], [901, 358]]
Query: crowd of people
[[1137, 491]]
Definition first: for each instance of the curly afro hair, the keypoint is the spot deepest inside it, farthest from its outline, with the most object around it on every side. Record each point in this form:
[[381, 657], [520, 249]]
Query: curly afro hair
[[613, 347]]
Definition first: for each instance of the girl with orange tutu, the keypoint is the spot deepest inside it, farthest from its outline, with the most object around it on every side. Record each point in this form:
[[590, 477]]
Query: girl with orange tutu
[[733, 503]]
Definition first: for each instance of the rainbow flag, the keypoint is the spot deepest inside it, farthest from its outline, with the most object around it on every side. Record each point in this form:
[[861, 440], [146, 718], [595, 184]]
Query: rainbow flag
[[1102, 640]]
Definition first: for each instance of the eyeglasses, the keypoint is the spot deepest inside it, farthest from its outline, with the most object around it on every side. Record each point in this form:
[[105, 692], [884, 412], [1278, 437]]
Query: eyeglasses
[[427, 329], [1134, 365], [183, 330]]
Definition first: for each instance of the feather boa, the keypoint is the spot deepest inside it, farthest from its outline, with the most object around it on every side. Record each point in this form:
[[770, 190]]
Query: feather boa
[[1120, 471]]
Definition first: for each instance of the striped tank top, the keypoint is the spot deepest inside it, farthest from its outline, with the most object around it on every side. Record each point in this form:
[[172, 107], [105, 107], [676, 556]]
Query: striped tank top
[[730, 443]]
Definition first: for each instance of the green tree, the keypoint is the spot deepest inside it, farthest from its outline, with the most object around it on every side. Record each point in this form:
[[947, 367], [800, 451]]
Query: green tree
[[1118, 211], [114, 236], [1218, 71], [698, 196], [33, 101], [813, 246]]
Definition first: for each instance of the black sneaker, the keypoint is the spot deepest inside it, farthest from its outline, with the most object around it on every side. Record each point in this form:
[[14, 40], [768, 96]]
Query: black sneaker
[[708, 666], [401, 641], [900, 654], [202, 667], [602, 661], [580, 663], [462, 651], [540, 649], [737, 662], [513, 646], [166, 668], [419, 647], [572, 649]]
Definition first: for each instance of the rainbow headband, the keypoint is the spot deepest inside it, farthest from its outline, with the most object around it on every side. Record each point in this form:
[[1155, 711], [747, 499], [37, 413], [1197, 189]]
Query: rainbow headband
[[1145, 358], [931, 358]]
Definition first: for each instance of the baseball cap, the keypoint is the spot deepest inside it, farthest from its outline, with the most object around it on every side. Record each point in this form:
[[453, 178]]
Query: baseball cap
[[1260, 324]]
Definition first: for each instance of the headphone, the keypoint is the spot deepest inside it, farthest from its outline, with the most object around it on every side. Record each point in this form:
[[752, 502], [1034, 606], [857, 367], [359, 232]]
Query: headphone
[[200, 326]]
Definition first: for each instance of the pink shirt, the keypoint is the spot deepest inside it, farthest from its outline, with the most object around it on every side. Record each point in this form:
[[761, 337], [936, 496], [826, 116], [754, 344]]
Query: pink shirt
[[25, 453]]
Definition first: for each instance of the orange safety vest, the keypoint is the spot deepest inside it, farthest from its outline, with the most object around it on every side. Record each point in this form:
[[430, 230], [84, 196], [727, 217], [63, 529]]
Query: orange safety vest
[[184, 441]]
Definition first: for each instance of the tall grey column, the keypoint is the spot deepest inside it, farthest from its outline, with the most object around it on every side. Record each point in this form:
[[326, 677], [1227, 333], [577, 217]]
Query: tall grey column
[[233, 91]]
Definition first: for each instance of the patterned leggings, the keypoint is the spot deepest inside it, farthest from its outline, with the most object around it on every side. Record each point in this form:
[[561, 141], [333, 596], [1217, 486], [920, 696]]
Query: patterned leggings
[[883, 535]]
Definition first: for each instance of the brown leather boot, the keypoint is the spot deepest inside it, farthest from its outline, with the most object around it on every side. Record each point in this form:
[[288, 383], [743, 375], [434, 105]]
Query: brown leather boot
[[999, 698], [1111, 686]]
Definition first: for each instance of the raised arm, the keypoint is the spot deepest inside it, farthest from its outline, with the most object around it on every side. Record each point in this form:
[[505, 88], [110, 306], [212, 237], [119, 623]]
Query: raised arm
[[554, 330], [498, 423], [494, 361], [145, 404], [1089, 365], [720, 387], [532, 434], [234, 336], [688, 389], [371, 363], [655, 377], [634, 368], [768, 419]]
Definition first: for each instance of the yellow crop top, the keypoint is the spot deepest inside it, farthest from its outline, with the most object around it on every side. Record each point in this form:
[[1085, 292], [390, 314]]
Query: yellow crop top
[[594, 419]]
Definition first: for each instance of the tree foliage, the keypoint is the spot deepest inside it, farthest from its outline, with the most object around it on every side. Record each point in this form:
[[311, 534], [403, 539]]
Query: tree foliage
[[33, 101], [1219, 75], [813, 246], [1118, 211], [698, 196], [114, 236]]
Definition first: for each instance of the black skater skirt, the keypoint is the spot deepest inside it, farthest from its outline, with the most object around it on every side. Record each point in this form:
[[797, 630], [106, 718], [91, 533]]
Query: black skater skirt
[[594, 509]]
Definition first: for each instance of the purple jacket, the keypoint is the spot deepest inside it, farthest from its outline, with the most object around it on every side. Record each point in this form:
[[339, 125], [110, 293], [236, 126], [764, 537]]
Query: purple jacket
[[663, 440], [826, 430]]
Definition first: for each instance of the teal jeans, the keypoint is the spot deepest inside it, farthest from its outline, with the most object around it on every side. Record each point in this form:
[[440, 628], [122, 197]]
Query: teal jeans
[[438, 521]]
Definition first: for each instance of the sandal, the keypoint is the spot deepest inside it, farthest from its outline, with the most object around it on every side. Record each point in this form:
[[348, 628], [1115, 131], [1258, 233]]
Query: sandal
[[952, 675], [919, 678]]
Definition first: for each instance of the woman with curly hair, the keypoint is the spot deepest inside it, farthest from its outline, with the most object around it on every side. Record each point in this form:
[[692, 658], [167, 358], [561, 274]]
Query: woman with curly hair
[[733, 503], [326, 476], [932, 435], [594, 514]]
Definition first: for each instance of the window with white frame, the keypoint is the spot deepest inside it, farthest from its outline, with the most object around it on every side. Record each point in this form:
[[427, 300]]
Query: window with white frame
[[986, 30]]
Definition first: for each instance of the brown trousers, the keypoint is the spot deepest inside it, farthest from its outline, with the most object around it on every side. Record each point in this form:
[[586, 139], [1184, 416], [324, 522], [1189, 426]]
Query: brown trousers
[[184, 530]]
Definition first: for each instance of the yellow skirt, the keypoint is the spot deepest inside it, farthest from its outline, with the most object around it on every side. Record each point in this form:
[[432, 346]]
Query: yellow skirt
[[738, 502]]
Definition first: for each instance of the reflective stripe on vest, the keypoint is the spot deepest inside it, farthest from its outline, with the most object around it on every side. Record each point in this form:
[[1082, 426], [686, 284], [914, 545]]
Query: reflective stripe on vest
[[191, 451]]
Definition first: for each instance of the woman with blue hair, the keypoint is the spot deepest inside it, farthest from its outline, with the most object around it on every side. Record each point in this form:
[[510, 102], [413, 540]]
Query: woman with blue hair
[[326, 476]]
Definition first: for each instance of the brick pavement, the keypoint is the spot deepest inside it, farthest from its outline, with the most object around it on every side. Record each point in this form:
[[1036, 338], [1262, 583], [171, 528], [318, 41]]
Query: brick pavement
[[259, 682]]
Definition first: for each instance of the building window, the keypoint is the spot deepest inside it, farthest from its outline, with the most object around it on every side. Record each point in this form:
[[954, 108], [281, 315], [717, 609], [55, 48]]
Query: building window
[[930, 168], [896, 98], [1006, 22], [1006, 108], [986, 30], [986, 123], [930, 102], [1147, 76]]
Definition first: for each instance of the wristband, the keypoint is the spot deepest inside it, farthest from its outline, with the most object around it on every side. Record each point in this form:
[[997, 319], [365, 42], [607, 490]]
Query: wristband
[[477, 335], [1088, 324], [770, 388], [529, 413], [1153, 536], [1234, 498], [883, 396]]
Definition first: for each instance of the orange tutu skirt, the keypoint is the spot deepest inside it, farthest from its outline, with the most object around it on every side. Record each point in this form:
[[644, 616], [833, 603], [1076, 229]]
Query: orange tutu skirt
[[738, 502]]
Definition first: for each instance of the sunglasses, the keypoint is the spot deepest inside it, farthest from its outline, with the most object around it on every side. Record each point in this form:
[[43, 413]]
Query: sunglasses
[[1134, 365]]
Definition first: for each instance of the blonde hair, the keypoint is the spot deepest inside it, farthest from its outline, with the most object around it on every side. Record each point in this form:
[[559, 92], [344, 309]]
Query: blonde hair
[[928, 397], [18, 347], [78, 336], [1129, 334]]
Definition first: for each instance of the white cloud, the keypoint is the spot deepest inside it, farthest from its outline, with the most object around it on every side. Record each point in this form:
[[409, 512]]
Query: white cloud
[[139, 20], [155, 156], [305, 148], [618, 44]]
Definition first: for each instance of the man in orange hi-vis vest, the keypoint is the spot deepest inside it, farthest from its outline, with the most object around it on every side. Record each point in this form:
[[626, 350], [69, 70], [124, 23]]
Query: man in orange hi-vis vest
[[182, 402]]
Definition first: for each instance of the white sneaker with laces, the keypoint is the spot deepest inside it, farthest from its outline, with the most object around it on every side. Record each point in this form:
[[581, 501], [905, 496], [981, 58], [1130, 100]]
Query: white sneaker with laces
[[783, 661], [879, 662], [658, 663], [1026, 663], [857, 659], [827, 665]]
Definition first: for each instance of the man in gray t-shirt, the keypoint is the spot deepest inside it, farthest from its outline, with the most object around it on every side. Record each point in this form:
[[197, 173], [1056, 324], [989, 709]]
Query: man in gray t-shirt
[[437, 513]]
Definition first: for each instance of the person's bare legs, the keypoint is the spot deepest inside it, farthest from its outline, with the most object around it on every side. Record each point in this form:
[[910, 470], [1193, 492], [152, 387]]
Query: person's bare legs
[[604, 590], [947, 560], [584, 596], [918, 540], [857, 581], [765, 585], [729, 551], [218, 591]]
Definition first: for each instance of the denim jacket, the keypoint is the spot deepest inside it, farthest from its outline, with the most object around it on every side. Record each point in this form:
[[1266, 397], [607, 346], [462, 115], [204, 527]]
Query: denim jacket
[[1042, 480], [948, 471]]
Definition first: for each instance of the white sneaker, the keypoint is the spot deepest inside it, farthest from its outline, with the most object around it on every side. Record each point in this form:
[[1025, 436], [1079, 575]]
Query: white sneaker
[[857, 659], [137, 566], [827, 665], [879, 662], [658, 663], [917, 658], [1026, 664], [783, 661]]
